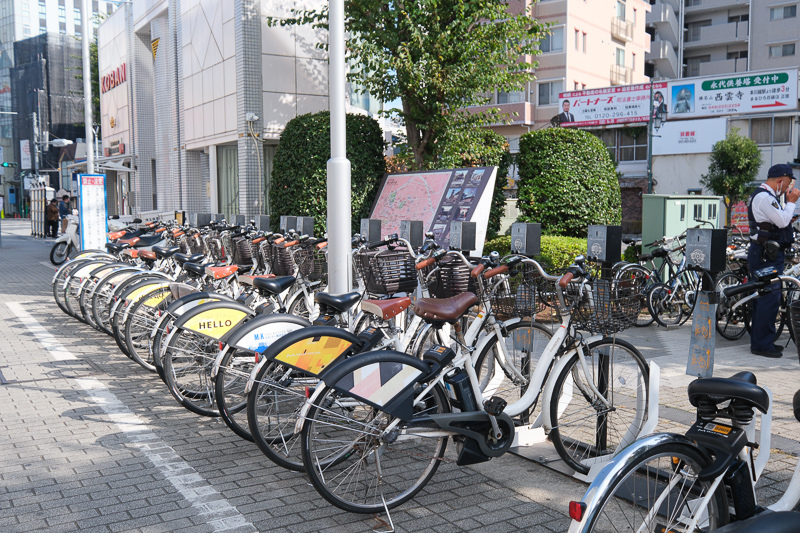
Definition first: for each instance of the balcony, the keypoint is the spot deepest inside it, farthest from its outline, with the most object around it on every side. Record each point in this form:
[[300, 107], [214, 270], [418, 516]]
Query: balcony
[[662, 54], [700, 6], [662, 16], [674, 4], [727, 66], [621, 75], [718, 34], [621, 29]]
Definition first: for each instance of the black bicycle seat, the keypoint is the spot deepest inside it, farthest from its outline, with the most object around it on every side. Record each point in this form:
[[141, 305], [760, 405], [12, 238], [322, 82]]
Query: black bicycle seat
[[114, 247], [274, 285], [186, 258], [645, 257], [194, 269], [660, 253], [162, 252], [148, 240], [741, 387], [340, 303]]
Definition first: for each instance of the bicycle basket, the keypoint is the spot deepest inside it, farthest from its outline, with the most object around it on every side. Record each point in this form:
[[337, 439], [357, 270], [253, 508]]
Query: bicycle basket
[[387, 271], [609, 307], [521, 295], [451, 277], [242, 253], [312, 263], [280, 260]]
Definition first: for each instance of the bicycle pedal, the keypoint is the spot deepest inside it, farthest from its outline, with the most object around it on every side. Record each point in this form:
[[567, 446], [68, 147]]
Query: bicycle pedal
[[495, 405]]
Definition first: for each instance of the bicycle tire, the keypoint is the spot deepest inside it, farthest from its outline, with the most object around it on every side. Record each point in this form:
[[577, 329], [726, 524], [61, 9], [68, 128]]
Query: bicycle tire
[[664, 310], [60, 253], [188, 360], [60, 278], [87, 294], [645, 480], [390, 472], [641, 277], [611, 362], [142, 318], [731, 324], [122, 309], [103, 299], [524, 343], [229, 390]]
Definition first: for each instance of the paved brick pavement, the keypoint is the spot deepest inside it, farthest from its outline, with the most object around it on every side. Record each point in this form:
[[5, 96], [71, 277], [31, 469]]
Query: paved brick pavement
[[92, 442]]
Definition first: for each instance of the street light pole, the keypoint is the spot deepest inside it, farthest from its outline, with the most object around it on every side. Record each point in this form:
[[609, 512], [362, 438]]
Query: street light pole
[[650, 143], [86, 34]]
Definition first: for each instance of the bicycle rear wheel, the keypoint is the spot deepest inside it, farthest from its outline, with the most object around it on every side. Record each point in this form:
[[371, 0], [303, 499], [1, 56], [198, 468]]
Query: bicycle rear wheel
[[663, 306], [660, 492], [584, 426], [188, 361], [731, 323], [142, 319], [637, 276], [229, 389], [355, 467]]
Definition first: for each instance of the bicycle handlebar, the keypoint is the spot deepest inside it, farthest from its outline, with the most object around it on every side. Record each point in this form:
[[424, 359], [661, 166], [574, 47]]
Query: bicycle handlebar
[[425, 263], [564, 280], [495, 271]]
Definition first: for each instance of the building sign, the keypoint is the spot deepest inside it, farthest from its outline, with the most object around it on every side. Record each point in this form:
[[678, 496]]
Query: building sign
[[689, 136], [93, 210], [116, 148], [611, 105], [113, 78], [730, 94], [25, 154]]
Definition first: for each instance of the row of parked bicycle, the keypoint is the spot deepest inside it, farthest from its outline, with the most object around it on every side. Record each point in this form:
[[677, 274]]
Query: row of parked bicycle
[[364, 398]]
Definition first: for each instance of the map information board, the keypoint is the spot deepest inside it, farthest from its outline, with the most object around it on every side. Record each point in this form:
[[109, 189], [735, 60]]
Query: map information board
[[437, 198]]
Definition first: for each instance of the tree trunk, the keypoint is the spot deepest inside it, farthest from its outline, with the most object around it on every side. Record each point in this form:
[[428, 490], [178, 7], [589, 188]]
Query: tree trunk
[[728, 204]]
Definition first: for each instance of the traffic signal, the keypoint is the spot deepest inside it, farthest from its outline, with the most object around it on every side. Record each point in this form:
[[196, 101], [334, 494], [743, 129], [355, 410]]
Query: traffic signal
[[7, 164]]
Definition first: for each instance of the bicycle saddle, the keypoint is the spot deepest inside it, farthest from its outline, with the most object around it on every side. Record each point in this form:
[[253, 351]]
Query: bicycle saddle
[[274, 285], [147, 255], [221, 272], [186, 258], [783, 522], [147, 240], [386, 309], [741, 389], [116, 247], [438, 311], [194, 269], [163, 253], [248, 280], [340, 303]]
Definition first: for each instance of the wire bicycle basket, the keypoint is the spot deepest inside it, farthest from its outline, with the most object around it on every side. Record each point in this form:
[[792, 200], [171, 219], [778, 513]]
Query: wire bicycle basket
[[450, 277], [524, 294], [607, 306], [312, 263], [387, 272]]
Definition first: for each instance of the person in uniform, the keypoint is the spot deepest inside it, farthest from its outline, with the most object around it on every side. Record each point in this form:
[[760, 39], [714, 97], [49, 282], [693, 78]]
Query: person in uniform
[[770, 235]]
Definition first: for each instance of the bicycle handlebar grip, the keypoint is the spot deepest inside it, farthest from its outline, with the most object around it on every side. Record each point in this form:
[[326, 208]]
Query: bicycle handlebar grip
[[495, 271], [291, 243], [377, 244], [565, 279], [477, 270], [746, 287], [279, 240], [426, 263]]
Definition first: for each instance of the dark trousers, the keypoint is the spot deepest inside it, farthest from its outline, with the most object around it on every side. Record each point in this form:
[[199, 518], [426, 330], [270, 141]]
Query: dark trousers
[[765, 308], [51, 228]]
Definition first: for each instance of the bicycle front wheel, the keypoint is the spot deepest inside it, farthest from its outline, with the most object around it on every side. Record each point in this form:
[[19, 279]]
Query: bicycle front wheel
[[731, 322], [588, 425], [188, 361], [663, 306], [354, 466], [661, 492], [637, 276]]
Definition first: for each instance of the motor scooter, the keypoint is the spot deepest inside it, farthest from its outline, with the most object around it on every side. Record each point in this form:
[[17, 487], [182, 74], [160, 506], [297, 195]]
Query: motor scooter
[[66, 243]]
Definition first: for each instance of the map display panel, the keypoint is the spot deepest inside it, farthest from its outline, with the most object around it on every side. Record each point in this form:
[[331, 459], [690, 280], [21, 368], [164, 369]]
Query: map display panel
[[410, 196]]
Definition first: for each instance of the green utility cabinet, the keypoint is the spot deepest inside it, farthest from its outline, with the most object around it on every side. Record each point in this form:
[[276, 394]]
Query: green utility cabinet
[[670, 215]]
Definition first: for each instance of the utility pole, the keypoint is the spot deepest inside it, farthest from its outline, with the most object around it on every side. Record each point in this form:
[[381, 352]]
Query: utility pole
[[86, 34]]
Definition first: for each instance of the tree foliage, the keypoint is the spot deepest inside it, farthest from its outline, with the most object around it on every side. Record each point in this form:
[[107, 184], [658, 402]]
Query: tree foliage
[[567, 181], [437, 58], [299, 172], [735, 161]]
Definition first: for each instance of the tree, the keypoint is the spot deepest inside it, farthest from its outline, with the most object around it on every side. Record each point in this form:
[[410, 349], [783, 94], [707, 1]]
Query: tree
[[299, 172], [735, 161], [437, 59], [567, 181]]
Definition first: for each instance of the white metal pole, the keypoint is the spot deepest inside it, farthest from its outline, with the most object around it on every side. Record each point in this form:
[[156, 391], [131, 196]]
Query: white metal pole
[[339, 207], [86, 34]]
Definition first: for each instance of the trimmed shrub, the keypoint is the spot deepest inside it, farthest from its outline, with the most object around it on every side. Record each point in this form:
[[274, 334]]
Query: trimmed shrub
[[567, 181], [557, 252], [299, 172]]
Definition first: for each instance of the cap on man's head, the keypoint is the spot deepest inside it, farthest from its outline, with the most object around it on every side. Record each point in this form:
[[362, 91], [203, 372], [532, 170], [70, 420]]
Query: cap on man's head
[[779, 171]]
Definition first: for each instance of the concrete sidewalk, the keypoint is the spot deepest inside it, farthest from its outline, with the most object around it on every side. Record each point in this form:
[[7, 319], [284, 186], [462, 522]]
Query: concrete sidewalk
[[92, 442]]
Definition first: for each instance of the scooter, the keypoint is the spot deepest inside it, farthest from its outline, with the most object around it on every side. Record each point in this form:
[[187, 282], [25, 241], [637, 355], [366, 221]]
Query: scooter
[[67, 242]]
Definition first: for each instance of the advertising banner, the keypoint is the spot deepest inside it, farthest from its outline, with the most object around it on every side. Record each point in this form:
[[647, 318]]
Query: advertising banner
[[730, 94], [25, 154], [93, 210], [689, 136], [611, 105]]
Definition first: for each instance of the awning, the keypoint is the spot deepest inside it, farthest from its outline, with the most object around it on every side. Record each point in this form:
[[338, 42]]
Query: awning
[[114, 163]]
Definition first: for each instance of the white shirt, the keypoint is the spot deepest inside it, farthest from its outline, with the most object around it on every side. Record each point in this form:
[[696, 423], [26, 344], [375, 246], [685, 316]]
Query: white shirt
[[767, 208]]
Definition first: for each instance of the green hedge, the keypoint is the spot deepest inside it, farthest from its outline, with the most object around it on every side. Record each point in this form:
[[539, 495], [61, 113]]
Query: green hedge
[[567, 181], [299, 172], [557, 252]]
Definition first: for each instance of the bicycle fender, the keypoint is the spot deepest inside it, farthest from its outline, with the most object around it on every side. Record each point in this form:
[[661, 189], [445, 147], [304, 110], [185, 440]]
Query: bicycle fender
[[384, 379], [184, 304], [259, 333], [311, 349], [214, 319], [616, 468]]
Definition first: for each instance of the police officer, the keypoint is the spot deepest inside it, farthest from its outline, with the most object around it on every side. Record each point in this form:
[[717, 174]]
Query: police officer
[[770, 235]]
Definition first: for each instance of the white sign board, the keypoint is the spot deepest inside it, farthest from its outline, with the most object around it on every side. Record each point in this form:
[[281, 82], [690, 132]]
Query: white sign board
[[730, 94], [93, 210], [25, 154], [611, 105], [689, 136]]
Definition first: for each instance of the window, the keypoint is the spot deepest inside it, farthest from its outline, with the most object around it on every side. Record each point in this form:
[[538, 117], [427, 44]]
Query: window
[[26, 29], [712, 213], [620, 9], [692, 67], [634, 16], [62, 14], [62, 27], [554, 41], [583, 86], [633, 62], [42, 9], [548, 92], [77, 30], [742, 54], [584, 42], [697, 211], [692, 3], [783, 12], [575, 86], [693, 29], [632, 148], [577, 39], [762, 130], [739, 18], [109, 8], [620, 57], [781, 50], [76, 14], [510, 97]]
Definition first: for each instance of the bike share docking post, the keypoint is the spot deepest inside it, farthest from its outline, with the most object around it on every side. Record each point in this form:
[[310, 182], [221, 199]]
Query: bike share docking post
[[705, 250], [604, 245]]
